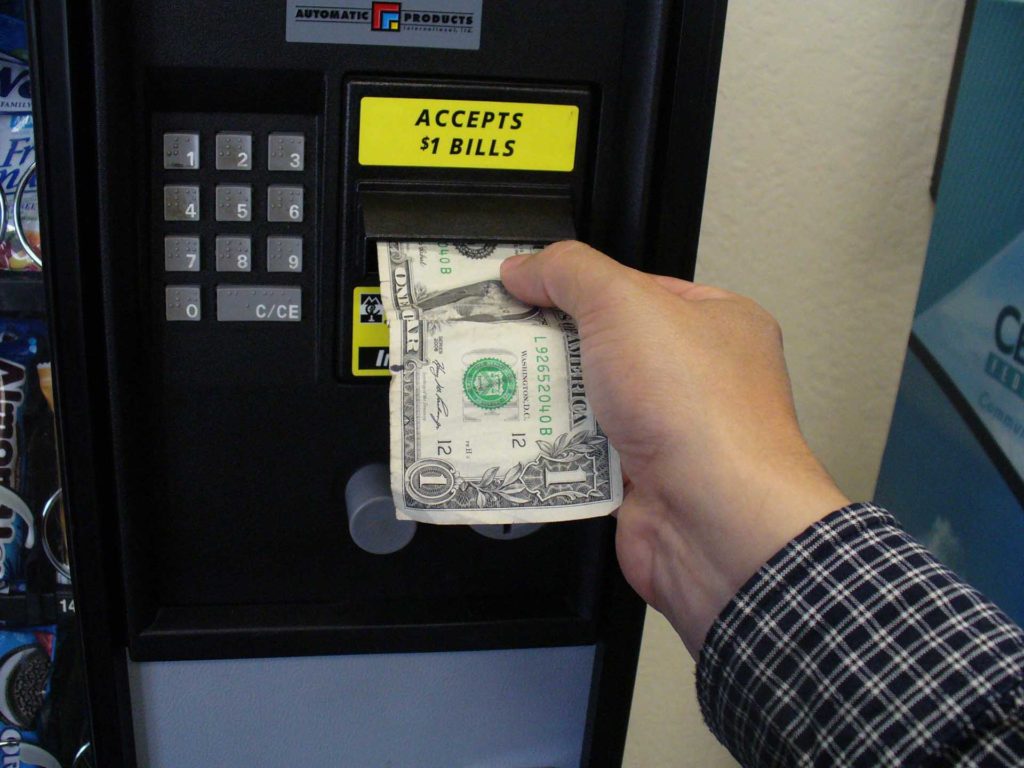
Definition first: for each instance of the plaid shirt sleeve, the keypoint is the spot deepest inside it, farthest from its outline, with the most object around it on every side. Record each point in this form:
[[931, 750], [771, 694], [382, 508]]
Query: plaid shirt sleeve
[[854, 646]]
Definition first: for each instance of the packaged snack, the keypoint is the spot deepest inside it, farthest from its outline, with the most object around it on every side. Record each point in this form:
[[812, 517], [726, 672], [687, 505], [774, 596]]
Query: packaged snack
[[19, 351], [25, 755], [15, 85], [26, 670], [13, 32], [17, 160], [26, 663]]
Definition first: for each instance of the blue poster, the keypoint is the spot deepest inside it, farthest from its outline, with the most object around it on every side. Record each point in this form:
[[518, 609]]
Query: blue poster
[[953, 470]]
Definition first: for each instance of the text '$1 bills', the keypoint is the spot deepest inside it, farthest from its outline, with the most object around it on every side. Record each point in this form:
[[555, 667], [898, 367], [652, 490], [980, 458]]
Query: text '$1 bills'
[[490, 422]]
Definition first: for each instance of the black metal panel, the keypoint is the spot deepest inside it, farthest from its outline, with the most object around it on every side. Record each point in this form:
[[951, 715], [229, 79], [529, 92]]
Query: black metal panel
[[61, 50]]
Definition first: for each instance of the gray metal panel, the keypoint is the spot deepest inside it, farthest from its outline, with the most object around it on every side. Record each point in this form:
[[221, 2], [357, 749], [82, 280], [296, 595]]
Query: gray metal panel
[[522, 708]]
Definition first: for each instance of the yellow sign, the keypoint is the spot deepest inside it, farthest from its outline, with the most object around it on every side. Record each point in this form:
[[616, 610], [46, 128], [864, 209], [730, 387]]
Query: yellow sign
[[449, 133], [369, 333]]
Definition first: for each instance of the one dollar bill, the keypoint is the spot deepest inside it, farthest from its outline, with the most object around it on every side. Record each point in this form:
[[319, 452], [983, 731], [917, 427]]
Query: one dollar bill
[[490, 421]]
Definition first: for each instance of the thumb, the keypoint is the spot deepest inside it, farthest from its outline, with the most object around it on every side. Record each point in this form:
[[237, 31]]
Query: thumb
[[569, 275]]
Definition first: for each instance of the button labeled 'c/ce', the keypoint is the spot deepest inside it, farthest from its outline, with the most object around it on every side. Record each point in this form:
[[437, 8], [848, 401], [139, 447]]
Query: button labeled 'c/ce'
[[259, 304]]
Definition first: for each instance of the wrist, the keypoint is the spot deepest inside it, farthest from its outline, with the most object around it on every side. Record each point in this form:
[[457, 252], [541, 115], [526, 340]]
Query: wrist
[[705, 549]]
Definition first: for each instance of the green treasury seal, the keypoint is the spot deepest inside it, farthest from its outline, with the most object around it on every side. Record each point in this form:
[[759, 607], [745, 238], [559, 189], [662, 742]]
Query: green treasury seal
[[489, 383]]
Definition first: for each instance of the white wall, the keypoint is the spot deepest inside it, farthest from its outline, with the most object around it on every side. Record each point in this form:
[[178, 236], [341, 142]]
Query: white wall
[[817, 206]]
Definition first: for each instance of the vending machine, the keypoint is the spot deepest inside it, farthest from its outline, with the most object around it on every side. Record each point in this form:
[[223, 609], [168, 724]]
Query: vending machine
[[214, 178]]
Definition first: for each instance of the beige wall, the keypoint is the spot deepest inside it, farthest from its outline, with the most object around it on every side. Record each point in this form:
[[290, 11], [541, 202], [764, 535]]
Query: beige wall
[[817, 206]]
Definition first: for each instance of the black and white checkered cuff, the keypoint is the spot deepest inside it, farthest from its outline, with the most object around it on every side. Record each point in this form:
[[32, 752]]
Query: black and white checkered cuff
[[854, 646]]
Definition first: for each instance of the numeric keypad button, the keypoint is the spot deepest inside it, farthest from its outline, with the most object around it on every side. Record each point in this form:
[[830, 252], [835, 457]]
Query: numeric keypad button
[[234, 151], [284, 254], [182, 303], [181, 253], [181, 151], [259, 303], [284, 203], [234, 253], [234, 202], [181, 202], [286, 152]]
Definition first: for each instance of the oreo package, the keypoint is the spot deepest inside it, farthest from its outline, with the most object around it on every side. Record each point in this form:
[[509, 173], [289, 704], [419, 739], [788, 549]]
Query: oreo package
[[26, 664], [19, 352]]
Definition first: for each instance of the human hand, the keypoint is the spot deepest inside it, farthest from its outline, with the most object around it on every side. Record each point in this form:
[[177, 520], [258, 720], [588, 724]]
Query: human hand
[[689, 383]]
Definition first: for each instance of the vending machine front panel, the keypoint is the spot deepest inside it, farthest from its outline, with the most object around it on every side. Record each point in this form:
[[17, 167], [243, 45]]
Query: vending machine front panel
[[216, 177]]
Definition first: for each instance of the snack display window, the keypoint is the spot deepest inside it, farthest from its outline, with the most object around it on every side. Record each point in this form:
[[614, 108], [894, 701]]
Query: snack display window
[[44, 717]]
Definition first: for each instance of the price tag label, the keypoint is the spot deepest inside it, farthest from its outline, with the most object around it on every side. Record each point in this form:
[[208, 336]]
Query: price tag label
[[451, 133]]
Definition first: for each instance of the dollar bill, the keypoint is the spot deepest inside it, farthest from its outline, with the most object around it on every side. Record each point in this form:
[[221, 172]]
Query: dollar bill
[[490, 422]]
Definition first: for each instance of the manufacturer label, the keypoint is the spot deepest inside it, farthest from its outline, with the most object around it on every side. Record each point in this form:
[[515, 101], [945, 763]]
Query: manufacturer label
[[419, 24], [369, 333], [449, 133]]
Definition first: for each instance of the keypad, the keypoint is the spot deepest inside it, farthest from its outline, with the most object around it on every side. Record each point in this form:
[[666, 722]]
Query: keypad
[[236, 231]]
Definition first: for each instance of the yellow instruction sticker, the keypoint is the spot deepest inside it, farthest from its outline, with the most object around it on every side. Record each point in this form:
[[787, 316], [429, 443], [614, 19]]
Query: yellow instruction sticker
[[451, 133], [369, 333]]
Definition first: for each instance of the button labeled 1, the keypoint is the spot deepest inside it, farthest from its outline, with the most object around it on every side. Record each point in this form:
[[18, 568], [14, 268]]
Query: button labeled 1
[[181, 150]]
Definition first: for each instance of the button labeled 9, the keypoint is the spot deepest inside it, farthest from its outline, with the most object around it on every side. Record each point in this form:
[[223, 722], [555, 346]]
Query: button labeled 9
[[284, 254]]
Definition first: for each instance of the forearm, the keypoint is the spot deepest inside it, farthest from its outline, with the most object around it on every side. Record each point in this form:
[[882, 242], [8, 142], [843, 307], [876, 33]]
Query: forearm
[[853, 645]]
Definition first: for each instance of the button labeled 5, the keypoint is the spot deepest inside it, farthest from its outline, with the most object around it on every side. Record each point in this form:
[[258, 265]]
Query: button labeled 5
[[234, 202]]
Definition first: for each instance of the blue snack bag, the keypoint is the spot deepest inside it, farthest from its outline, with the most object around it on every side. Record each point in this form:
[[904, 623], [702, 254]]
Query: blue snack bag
[[19, 352]]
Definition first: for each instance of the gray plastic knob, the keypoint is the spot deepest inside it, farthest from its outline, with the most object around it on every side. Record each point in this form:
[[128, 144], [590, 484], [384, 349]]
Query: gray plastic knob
[[371, 512]]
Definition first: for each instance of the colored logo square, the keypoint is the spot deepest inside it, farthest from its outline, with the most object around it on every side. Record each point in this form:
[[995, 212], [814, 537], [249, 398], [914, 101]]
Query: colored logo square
[[386, 17]]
